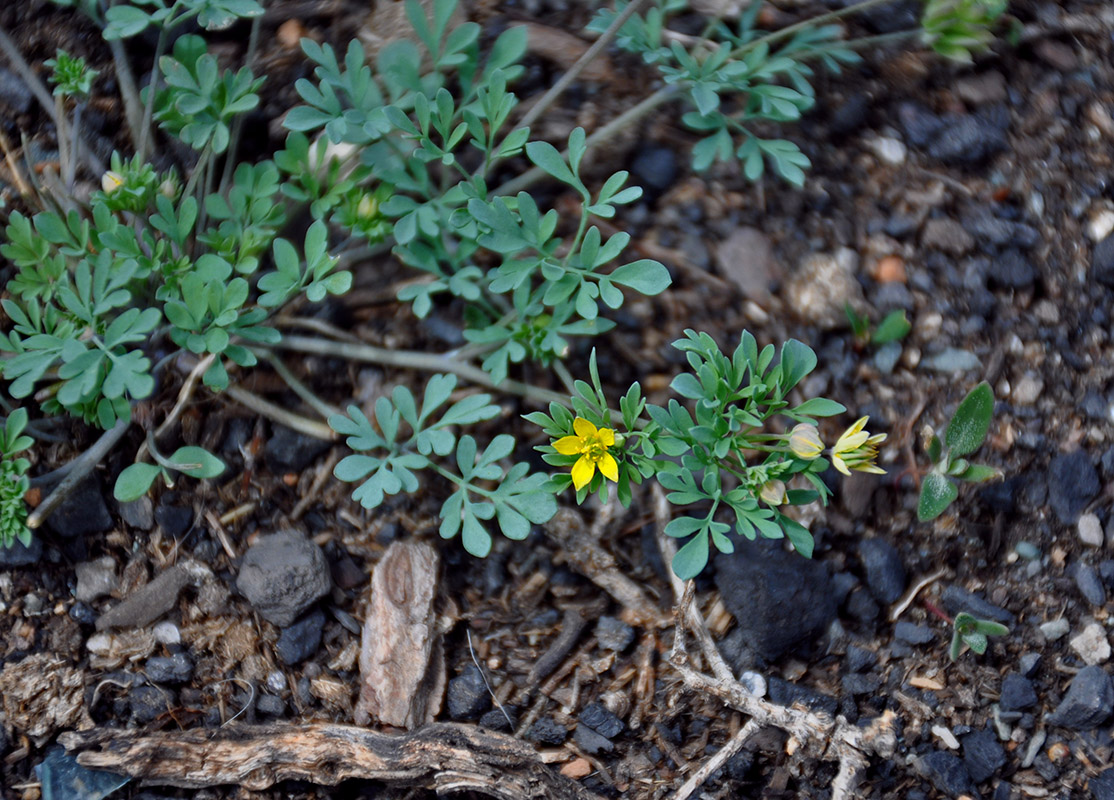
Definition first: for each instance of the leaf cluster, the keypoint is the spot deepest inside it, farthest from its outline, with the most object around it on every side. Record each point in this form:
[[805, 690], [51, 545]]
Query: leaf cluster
[[894, 327], [71, 76], [965, 433], [973, 632], [406, 438], [958, 29], [126, 19], [13, 480]]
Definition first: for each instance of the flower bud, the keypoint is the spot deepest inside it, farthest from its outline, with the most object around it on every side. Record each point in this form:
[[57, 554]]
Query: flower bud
[[805, 442], [772, 493], [111, 181], [368, 207]]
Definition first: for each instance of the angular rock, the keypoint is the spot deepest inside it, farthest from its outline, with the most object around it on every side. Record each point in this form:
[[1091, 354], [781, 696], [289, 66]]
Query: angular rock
[[1017, 693], [1072, 484], [1012, 269], [171, 670], [1091, 644], [1090, 530], [83, 512], [654, 168], [1102, 787], [20, 555], [914, 634], [946, 235], [299, 641], [590, 741], [602, 721], [269, 705], [746, 258], [95, 579], [1102, 261], [614, 634], [956, 600], [947, 773], [468, 695], [968, 140], [983, 754], [1089, 584], [282, 575], [148, 703], [547, 731], [1088, 703], [885, 574], [149, 602], [290, 451], [786, 694]]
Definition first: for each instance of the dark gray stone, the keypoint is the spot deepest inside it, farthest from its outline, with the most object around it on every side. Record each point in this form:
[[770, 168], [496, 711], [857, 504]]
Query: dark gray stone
[[496, 719], [914, 634], [654, 168], [1088, 703], [968, 140], [861, 606], [172, 670], [1028, 664], [614, 634], [282, 575], [786, 694], [1102, 261], [850, 115], [300, 641], [885, 574], [290, 451], [14, 92], [83, 512], [1089, 584], [138, 513], [1072, 484], [1102, 787], [591, 742], [1012, 269], [782, 600], [270, 705], [1017, 693], [859, 659], [1003, 791], [990, 229], [1095, 405], [468, 696], [83, 613], [956, 600], [19, 555], [857, 683], [602, 721], [547, 731], [983, 754], [175, 520], [947, 773], [148, 703]]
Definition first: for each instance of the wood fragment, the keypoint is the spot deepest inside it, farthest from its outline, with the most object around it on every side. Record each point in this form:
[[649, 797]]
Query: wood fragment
[[444, 757]]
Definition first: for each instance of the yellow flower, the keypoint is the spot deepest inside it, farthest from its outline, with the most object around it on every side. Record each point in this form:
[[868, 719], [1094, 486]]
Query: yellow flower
[[856, 449], [805, 442], [111, 181], [591, 444], [772, 493]]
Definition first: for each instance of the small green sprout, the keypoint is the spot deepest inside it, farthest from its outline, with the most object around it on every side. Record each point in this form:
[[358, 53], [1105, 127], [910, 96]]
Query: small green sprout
[[13, 480], [956, 29], [965, 434], [893, 328], [971, 631], [71, 76]]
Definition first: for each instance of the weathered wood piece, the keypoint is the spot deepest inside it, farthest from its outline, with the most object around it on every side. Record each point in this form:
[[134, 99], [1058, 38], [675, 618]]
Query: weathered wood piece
[[402, 664], [445, 757]]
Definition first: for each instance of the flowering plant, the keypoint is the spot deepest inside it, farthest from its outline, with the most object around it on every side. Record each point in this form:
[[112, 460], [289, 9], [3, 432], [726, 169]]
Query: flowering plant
[[726, 454]]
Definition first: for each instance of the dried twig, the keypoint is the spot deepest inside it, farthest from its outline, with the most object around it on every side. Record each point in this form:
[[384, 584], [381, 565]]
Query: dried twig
[[80, 467]]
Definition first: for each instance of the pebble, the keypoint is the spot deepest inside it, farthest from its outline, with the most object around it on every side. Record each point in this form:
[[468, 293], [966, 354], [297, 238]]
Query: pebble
[[1028, 664], [951, 359], [858, 684], [282, 575], [859, 659], [1027, 550], [83, 512], [138, 513], [95, 579], [276, 681], [290, 451], [1027, 390], [1091, 644], [947, 773], [468, 696], [174, 520], [1072, 484], [300, 640], [496, 719], [1102, 261], [914, 634], [547, 731], [885, 574], [986, 87], [1088, 703], [1055, 629], [983, 755], [969, 139], [590, 741], [886, 357], [956, 600], [602, 721], [173, 670], [1017, 693], [823, 285], [1089, 584], [614, 634], [83, 614], [746, 258], [654, 168], [946, 737], [990, 229], [1102, 787], [889, 150], [948, 236], [1100, 225], [269, 705], [779, 599], [787, 694], [167, 633], [14, 92], [20, 555], [1012, 269], [148, 703]]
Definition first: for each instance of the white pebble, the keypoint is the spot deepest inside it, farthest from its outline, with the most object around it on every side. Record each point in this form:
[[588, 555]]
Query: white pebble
[[1056, 628], [1100, 225], [1027, 390], [276, 682], [167, 633], [889, 150], [1091, 644], [1090, 530], [946, 736]]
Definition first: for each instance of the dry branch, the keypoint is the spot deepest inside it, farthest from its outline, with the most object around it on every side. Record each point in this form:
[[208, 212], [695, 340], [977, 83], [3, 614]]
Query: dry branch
[[445, 757]]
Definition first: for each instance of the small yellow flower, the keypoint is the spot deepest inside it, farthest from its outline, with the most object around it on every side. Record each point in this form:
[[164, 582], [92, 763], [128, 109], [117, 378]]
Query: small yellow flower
[[111, 181], [805, 442], [591, 444], [368, 207], [772, 493], [856, 449]]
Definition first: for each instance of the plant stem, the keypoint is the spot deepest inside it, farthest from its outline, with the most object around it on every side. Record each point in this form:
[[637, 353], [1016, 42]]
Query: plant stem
[[128, 91], [238, 124], [811, 22], [299, 388], [80, 467], [152, 87]]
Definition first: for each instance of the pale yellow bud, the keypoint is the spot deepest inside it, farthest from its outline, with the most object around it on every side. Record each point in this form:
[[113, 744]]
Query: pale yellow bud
[[804, 441], [772, 493], [368, 207], [111, 181]]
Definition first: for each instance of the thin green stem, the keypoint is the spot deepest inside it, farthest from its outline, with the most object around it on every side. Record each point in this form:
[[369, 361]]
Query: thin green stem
[[299, 388], [811, 22], [152, 88], [238, 124]]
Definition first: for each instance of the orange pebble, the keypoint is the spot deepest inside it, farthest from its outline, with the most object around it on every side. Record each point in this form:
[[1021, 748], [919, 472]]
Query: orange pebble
[[290, 33], [890, 269]]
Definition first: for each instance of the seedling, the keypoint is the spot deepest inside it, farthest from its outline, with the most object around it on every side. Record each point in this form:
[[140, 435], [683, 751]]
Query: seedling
[[969, 630]]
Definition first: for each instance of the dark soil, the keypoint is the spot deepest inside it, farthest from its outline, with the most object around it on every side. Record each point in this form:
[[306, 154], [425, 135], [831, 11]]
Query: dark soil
[[979, 199]]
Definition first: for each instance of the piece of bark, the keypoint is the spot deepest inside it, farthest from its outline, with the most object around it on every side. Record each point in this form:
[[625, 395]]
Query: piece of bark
[[402, 665], [445, 757], [43, 693]]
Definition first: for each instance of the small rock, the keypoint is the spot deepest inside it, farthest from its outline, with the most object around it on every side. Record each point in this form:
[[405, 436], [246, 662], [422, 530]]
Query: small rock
[[468, 695], [1027, 390], [968, 140], [290, 451], [978, 90], [1091, 644], [167, 633], [914, 634], [14, 92], [947, 773], [857, 684], [951, 359], [149, 602], [889, 150], [148, 703], [95, 579], [591, 742], [850, 115], [20, 555], [823, 285], [885, 574], [282, 575], [1012, 270], [173, 670], [83, 614], [1089, 584], [946, 737], [1017, 693], [577, 768], [1055, 629], [859, 659], [746, 258], [1102, 787], [1102, 261], [1056, 54], [602, 721], [1028, 664], [861, 607], [269, 705], [547, 731], [1100, 225], [989, 229], [983, 755], [299, 641], [174, 520], [956, 600], [614, 634], [946, 235], [138, 513], [1072, 484], [83, 512], [496, 719], [276, 681], [1088, 703], [654, 168], [786, 694]]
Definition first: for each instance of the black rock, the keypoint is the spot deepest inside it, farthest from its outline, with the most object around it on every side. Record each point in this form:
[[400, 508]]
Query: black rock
[[919, 124], [1095, 405], [1072, 484], [993, 230], [1089, 584], [1088, 703], [885, 574], [301, 639], [19, 555], [1102, 261], [1028, 664], [850, 115], [468, 696], [590, 741], [968, 140], [14, 92], [148, 703], [1003, 791], [1106, 573], [83, 512], [173, 670], [1012, 269], [138, 513], [654, 168], [786, 694], [1102, 787], [547, 731], [83, 613], [269, 705], [861, 606], [859, 659], [175, 520], [614, 634], [947, 773], [290, 451], [983, 754], [857, 683], [956, 600], [602, 721], [1017, 693], [782, 600], [496, 719], [914, 634]]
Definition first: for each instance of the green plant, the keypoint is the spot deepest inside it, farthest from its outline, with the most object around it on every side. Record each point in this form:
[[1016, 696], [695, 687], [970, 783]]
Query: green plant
[[71, 76], [965, 433], [893, 328], [13, 480], [956, 29], [724, 454], [973, 632]]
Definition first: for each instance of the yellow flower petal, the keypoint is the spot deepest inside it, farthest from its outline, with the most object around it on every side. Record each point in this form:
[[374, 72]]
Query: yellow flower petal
[[584, 429], [582, 472], [606, 437], [568, 445], [609, 467], [837, 462], [873, 469]]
